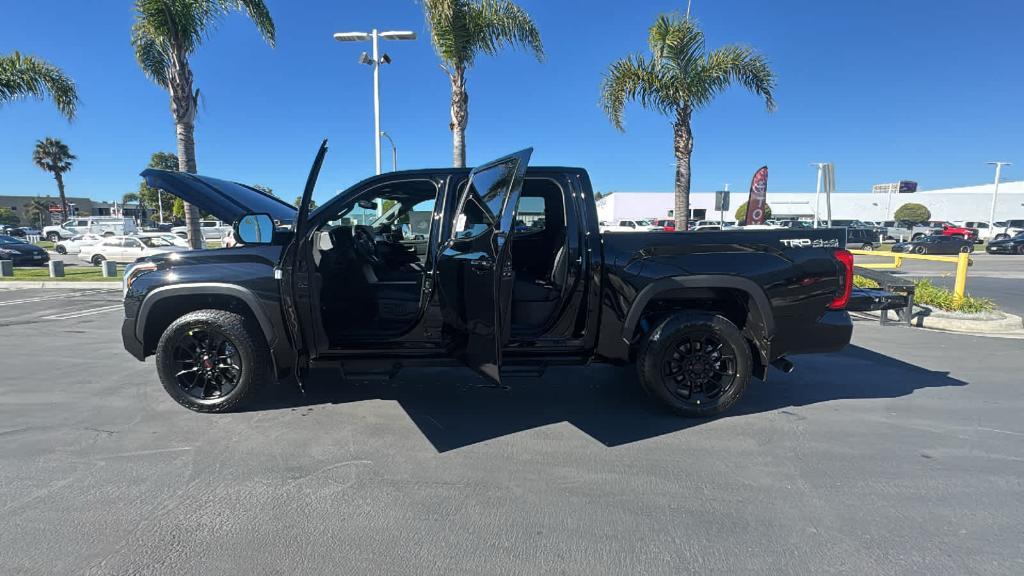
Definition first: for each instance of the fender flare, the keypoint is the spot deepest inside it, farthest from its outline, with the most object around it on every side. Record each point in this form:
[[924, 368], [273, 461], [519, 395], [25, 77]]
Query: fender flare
[[205, 288], [760, 306]]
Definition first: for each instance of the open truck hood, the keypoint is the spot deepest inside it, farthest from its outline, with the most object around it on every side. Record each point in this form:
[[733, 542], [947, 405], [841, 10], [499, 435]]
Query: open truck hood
[[227, 201]]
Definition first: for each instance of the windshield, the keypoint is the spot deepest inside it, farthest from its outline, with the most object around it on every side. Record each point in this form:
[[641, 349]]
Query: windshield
[[155, 242], [642, 222]]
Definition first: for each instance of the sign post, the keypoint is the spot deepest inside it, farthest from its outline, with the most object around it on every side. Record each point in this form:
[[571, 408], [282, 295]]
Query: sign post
[[722, 204]]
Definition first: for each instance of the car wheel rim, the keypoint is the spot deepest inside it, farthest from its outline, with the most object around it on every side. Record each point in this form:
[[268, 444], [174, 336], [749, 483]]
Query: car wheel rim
[[701, 368], [207, 364]]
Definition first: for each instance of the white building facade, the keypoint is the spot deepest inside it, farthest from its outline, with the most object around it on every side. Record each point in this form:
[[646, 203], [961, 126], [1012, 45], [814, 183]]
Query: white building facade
[[971, 203]]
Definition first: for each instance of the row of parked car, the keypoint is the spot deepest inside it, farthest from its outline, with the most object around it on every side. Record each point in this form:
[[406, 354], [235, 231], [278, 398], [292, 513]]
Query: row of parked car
[[97, 248]]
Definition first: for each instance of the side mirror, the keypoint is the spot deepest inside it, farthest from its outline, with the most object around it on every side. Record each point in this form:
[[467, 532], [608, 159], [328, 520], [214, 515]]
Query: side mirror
[[255, 229]]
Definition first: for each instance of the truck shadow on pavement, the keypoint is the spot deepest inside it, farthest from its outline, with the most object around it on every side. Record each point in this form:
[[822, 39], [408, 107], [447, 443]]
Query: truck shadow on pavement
[[453, 409]]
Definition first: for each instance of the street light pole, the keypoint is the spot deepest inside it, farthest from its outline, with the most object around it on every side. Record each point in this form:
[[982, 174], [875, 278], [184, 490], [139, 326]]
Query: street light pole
[[394, 151], [995, 194], [376, 61], [817, 191]]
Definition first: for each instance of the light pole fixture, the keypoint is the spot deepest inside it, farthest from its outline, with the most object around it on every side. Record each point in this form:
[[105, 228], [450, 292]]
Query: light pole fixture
[[394, 151], [376, 60], [995, 194]]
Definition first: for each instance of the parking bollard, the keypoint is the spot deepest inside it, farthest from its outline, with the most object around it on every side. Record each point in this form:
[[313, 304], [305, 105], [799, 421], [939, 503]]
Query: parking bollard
[[109, 269], [56, 269], [6, 268]]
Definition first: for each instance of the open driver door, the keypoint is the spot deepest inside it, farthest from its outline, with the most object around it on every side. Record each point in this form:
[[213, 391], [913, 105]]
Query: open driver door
[[474, 270]]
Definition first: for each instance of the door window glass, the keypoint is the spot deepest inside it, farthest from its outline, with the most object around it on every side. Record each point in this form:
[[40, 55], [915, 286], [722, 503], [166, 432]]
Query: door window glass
[[482, 203], [530, 214]]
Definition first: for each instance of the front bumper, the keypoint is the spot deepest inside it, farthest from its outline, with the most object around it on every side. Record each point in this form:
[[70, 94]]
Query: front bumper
[[131, 342]]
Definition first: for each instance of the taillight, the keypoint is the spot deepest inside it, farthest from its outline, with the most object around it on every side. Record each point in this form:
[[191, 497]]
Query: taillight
[[846, 259]]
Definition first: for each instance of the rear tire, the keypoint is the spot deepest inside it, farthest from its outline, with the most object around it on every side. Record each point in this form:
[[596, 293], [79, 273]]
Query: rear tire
[[695, 363], [61, 250], [921, 250], [966, 249], [916, 237], [1020, 250], [53, 237], [868, 247], [97, 260], [236, 350]]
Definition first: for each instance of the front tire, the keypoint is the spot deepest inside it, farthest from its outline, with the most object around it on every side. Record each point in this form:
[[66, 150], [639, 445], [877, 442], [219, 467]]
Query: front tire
[[61, 250], [868, 247], [212, 360], [966, 249], [695, 363], [53, 237], [97, 260], [921, 250]]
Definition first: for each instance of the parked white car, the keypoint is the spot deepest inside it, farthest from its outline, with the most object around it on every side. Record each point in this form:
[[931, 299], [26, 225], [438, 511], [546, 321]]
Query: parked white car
[[126, 249], [169, 236], [211, 229], [76, 243], [628, 226]]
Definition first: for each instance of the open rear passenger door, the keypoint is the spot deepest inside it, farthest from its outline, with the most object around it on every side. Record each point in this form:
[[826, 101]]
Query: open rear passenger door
[[474, 273]]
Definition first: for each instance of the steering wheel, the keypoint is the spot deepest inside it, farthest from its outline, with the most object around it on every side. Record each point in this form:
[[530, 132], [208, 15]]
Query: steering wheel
[[364, 244]]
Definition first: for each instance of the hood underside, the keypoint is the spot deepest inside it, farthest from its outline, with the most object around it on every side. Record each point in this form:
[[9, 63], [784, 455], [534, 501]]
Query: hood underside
[[227, 201]]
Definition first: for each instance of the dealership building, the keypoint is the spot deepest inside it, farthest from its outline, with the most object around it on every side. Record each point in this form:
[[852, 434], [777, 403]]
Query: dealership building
[[965, 203]]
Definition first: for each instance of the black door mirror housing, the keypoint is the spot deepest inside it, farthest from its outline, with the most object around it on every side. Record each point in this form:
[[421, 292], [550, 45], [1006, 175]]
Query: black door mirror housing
[[255, 229]]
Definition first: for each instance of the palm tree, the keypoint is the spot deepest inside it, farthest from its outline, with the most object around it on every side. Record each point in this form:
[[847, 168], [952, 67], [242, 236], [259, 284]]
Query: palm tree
[[24, 76], [37, 210], [55, 157], [679, 77], [461, 29], [165, 35]]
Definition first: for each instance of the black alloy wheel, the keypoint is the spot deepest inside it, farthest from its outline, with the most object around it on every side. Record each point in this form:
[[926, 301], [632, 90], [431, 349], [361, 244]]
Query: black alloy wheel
[[207, 362], [965, 249], [213, 360], [696, 363], [700, 369]]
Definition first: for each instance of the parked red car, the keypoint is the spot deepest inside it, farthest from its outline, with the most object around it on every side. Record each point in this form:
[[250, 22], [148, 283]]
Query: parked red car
[[949, 229], [666, 225]]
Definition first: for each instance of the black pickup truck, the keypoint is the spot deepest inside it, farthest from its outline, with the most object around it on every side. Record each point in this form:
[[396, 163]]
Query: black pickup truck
[[501, 269]]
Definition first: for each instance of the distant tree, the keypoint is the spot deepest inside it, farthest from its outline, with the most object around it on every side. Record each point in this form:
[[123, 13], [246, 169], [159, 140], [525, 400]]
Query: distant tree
[[37, 211], [55, 157], [264, 189], [678, 78], [130, 197], [178, 209], [9, 218], [165, 35], [462, 29], [25, 76], [598, 196], [913, 212], [312, 203], [741, 212], [150, 198]]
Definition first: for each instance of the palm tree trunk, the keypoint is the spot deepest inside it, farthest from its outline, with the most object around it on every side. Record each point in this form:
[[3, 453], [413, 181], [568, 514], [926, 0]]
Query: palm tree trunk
[[187, 163], [63, 200], [683, 145], [460, 117]]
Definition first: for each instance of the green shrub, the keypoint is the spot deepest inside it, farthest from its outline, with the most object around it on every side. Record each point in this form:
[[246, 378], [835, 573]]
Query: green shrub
[[928, 294], [913, 212]]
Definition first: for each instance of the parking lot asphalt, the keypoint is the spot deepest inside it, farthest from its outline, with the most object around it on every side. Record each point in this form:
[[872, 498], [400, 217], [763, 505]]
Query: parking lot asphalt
[[900, 455]]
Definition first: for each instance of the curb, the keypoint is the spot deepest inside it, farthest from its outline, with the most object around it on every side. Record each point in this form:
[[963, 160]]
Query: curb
[[112, 284], [1008, 324]]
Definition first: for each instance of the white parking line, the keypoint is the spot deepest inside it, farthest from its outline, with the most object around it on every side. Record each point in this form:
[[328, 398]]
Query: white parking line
[[80, 313], [53, 297]]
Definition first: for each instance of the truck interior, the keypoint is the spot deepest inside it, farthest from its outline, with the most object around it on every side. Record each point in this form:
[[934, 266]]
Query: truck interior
[[372, 258]]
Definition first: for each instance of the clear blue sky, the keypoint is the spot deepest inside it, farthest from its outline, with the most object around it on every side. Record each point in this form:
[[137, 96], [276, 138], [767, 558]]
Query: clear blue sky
[[925, 90]]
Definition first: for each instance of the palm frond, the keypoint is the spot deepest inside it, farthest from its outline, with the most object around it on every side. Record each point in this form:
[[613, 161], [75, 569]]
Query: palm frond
[[676, 41], [53, 155], [633, 79], [498, 23], [730, 64], [451, 32], [165, 28], [25, 76]]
